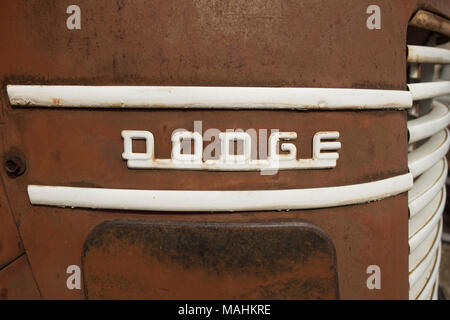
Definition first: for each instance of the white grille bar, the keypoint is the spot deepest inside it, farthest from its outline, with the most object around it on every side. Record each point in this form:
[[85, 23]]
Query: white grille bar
[[423, 233], [419, 221], [426, 293], [429, 153], [422, 54], [426, 187], [420, 271], [436, 120], [422, 250], [205, 97], [429, 90]]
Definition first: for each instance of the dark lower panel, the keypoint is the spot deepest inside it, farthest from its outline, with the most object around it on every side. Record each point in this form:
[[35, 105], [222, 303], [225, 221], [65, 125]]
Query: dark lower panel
[[161, 260]]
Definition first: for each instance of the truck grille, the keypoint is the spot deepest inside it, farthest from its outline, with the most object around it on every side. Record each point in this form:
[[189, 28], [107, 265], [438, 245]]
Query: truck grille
[[429, 143]]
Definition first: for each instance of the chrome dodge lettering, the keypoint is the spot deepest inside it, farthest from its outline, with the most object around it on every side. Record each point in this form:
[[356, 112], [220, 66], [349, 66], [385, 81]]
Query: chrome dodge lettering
[[322, 146]]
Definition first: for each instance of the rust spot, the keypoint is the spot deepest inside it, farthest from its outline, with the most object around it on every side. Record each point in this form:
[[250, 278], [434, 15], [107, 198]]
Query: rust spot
[[56, 101]]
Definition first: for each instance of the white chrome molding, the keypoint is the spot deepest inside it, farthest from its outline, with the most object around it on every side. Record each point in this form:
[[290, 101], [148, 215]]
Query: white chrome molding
[[218, 201], [427, 186], [423, 54], [429, 153], [205, 97], [436, 120], [428, 90], [322, 141]]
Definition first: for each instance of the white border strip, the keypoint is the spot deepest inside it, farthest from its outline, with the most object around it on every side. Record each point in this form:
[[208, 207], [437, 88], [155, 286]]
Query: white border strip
[[220, 201], [205, 97], [422, 54]]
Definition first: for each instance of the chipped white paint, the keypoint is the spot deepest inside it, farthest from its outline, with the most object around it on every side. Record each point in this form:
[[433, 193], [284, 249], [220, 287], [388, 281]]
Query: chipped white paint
[[429, 90], [205, 97], [228, 161], [219, 201], [422, 54]]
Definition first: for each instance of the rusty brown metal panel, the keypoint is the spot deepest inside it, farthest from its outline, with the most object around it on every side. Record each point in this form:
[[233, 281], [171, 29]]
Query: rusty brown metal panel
[[362, 234], [17, 282], [236, 43], [10, 243], [87, 152], [209, 261], [83, 148]]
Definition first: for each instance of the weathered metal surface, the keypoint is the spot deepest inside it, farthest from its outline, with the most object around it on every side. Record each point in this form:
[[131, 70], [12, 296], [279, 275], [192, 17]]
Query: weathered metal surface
[[430, 21], [213, 43], [279, 43], [10, 244], [85, 148], [209, 261], [17, 282]]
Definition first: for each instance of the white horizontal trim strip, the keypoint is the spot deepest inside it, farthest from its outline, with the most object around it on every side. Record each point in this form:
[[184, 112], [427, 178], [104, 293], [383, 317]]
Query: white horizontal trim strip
[[205, 97], [420, 271], [429, 153], [423, 233], [436, 120], [221, 201], [427, 186], [422, 54], [428, 90], [432, 280]]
